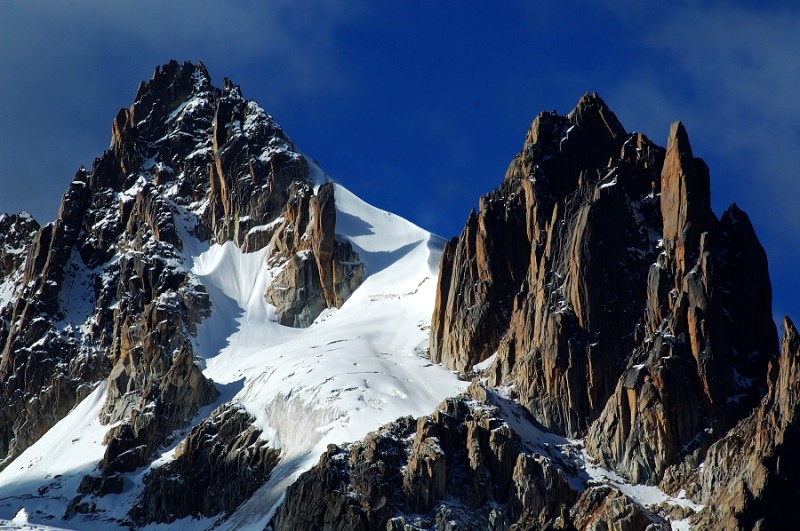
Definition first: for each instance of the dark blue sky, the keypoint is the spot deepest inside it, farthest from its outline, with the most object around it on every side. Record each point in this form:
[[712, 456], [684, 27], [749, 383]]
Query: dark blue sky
[[419, 106]]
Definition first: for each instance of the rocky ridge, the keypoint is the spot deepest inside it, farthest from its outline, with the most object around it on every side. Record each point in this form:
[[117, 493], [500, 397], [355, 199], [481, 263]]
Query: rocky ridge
[[221, 462], [599, 290], [462, 467]]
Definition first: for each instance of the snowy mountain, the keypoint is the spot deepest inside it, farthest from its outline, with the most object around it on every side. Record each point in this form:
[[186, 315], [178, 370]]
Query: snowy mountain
[[214, 334]]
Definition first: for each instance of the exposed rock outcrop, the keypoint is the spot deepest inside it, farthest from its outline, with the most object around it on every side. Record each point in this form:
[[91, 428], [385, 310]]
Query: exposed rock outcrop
[[316, 271], [254, 168], [702, 363], [46, 364], [16, 233], [571, 252], [222, 461], [602, 508], [462, 467], [459, 468]]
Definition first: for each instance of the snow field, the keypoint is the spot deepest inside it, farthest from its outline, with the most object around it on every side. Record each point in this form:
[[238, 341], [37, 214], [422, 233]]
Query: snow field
[[352, 371]]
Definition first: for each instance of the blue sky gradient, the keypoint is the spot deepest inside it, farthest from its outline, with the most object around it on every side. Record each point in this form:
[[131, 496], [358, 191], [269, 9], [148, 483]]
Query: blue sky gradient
[[418, 107]]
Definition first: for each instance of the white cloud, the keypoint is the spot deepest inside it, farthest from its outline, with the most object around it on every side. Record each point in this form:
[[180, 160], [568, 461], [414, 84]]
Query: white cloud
[[730, 73]]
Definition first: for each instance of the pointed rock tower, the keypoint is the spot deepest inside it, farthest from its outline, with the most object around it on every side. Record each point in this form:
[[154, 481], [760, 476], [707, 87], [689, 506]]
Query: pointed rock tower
[[610, 295]]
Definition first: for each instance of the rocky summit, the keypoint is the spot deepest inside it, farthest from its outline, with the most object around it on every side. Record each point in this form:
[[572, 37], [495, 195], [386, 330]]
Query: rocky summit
[[215, 334]]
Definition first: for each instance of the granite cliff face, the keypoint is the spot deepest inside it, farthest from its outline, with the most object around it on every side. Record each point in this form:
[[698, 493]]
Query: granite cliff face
[[702, 366], [615, 300], [626, 369], [749, 480], [557, 255]]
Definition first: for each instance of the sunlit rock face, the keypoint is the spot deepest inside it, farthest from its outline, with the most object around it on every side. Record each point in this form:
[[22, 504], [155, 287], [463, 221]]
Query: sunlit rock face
[[619, 307]]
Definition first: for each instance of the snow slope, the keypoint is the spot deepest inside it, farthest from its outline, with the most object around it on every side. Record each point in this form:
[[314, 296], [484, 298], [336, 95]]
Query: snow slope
[[45, 476], [353, 370]]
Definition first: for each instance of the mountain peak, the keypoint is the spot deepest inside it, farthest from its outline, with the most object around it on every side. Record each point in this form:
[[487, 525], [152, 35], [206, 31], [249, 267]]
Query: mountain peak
[[685, 198], [592, 113], [172, 82], [612, 242], [203, 242]]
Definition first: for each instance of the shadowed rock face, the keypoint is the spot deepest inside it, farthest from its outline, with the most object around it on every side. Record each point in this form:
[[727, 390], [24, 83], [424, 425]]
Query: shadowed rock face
[[613, 296], [222, 461], [106, 291], [45, 365], [707, 343], [16, 234], [460, 453], [749, 480]]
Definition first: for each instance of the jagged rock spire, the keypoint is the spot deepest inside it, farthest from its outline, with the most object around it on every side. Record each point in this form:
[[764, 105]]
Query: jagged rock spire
[[685, 199], [620, 292]]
